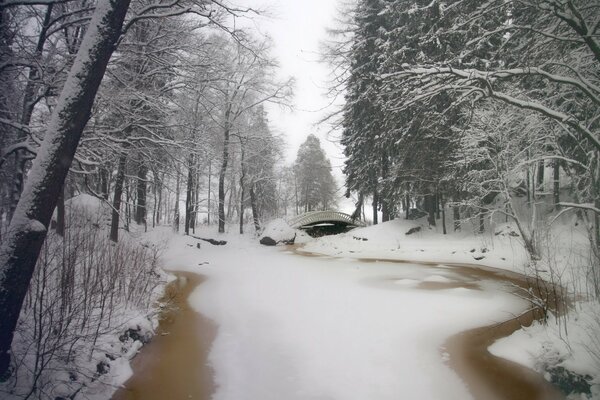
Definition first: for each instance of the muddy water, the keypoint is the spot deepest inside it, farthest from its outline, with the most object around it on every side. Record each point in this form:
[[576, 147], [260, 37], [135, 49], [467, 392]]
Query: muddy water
[[490, 377], [174, 364], [487, 376]]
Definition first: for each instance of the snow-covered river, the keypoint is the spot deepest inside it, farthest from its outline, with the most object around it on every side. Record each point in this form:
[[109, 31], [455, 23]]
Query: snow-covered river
[[301, 327]]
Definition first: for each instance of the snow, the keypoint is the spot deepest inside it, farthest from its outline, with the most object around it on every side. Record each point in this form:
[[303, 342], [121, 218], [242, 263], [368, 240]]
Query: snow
[[297, 327], [279, 230]]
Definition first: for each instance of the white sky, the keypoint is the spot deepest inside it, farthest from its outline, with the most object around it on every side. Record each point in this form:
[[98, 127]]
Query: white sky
[[297, 28]]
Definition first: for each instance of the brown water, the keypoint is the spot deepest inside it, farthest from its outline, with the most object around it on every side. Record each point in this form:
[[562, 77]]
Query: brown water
[[174, 365]]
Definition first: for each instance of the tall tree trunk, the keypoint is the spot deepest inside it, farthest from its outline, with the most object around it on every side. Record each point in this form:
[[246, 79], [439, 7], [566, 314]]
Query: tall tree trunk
[[242, 188], [176, 208], [142, 188], [443, 214], [223, 170], [406, 206], [430, 207], [385, 211], [556, 183], [481, 220], [189, 196], [27, 231], [375, 206], [456, 217], [540, 175], [209, 189], [255, 214], [104, 177], [114, 223]]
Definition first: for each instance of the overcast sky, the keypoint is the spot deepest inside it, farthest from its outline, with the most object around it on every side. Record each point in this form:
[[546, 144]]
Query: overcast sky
[[297, 28]]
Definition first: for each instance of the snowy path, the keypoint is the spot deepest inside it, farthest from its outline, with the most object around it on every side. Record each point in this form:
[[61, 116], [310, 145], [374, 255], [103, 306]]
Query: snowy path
[[292, 327]]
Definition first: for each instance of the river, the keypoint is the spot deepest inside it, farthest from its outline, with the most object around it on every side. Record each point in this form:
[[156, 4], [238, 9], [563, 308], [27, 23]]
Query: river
[[175, 364]]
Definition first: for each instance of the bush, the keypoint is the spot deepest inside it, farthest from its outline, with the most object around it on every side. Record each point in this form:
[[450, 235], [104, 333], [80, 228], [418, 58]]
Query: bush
[[86, 292]]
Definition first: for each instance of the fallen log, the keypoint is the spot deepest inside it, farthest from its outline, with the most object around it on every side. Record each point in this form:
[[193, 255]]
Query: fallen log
[[211, 241]]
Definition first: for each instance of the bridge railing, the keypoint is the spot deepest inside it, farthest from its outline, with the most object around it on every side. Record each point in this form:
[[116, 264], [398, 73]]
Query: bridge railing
[[313, 217]]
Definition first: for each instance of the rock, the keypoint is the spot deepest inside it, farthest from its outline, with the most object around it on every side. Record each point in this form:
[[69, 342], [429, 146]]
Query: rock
[[413, 230], [102, 368], [267, 241], [277, 231], [569, 382]]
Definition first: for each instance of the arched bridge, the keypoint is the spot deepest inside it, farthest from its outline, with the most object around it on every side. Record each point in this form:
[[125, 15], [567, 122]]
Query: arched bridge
[[324, 221]]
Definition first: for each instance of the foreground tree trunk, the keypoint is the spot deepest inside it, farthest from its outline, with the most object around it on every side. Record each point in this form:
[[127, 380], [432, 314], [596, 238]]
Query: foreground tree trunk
[[28, 228]]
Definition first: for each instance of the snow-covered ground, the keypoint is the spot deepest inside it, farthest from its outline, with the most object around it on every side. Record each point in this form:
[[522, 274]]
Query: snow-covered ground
[[298, 327]]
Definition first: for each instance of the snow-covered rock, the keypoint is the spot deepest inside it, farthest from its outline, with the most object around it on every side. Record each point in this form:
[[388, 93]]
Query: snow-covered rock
[[278, 231]]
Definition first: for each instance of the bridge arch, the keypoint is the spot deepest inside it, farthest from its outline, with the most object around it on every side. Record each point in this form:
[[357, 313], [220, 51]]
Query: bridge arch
[[313, 218]]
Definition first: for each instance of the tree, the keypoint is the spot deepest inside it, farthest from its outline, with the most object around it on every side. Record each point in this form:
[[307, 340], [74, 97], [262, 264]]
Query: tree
[[316, 184], [245, 85], [30, 222]]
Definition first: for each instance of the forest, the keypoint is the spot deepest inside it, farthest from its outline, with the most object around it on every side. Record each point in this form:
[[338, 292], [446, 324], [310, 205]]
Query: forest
[[488, 110]]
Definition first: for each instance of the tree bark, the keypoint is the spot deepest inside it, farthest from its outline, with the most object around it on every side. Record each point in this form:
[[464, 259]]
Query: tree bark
[[375, 206], [223, 170], [27, 231], [142, 188], [189, 198], [116, 211], [60, 213], [255, 214], [456, 217], [176, 211], [556, 183]]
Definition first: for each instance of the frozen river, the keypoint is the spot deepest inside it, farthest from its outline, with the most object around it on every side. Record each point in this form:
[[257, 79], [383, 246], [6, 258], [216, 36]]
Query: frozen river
[[273, 324]]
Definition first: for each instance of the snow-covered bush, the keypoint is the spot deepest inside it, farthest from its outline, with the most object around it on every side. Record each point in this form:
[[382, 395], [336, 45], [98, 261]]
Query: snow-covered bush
[[89, 304]]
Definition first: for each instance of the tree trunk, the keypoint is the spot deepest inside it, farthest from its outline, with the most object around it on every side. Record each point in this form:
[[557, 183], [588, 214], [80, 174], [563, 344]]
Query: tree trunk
[[556, 183], [430, 207], [481, 220], [27, 231], [456, 217], [177, 194], [375, 207], [114, 223], [540, 175], [60, 213], [223, 170], [254, 206], [142, 188], [209, 190], [385, 211], [242, 188], [441, 203], [189, 195], [406, 206], [104, 182]]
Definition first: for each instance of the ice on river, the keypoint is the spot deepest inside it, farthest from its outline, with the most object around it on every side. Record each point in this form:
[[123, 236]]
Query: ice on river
[[299, 327]]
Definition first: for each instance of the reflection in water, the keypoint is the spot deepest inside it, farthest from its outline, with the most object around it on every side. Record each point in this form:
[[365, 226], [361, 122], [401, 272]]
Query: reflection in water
[[174, 364]]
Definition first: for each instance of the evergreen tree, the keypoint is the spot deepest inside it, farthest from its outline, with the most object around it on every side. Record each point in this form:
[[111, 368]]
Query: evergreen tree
[[316, 185]]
